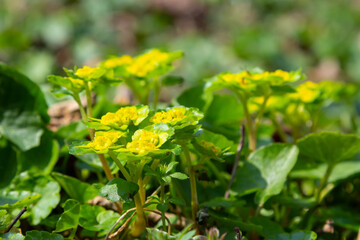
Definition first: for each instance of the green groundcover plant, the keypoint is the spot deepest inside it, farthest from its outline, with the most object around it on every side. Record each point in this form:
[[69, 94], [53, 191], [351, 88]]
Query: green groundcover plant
[[244, 155]]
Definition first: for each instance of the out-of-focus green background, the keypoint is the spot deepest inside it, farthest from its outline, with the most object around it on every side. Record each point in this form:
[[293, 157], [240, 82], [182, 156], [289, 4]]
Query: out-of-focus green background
[[39, 37]]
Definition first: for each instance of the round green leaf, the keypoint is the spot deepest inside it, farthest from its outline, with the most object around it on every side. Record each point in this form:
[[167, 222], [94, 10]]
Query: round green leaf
[[265, 171], [329, 147], [119, 188]]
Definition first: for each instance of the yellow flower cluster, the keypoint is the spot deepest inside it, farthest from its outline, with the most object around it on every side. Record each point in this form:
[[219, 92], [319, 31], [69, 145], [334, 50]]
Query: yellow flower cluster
[[104, 140], [143, 141], [172, 116], [243, 77], [86, 71], [119, 61], [238, 77], [306, 92], [148, 62], [122, 117], [77, 83]]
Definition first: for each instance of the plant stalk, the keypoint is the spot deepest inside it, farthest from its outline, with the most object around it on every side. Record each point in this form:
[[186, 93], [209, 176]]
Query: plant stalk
[[194, 199], [162, 199], [252, 130]]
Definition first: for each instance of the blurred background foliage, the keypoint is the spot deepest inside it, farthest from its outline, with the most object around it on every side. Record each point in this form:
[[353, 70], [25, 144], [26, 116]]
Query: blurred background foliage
[[39, 37]]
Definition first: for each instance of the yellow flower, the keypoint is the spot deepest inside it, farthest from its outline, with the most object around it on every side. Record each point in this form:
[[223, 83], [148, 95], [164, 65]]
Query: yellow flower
[[143, 141], [143, 135], [148, 62], [307, 92], [119, 61], [172, 116], [236, 77], [86, 71], [112, 135], [141, 146], [100, 143], [122, 117], [127, 114], [110, 119], [283, 74]]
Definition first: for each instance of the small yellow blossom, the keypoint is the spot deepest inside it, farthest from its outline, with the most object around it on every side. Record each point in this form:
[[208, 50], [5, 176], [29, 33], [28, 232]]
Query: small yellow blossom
[[76, 83], [110, 119], [112, 135], [283, 74], [86, 71], [100, 143], [119, 61], [307, 92], [238, 77], [141, 146], [127, 114], [148, 62], [171, 116], [122, 117], [143, 141]]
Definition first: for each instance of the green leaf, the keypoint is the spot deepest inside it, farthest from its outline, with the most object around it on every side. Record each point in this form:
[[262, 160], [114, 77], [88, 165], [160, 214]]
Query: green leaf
[[5, 219], [42, 235], [179, 175], [329, 147], [269, 228], [12, 236], [265, 171], [8, 165], [19, 92], [23, 110], [172, 80], [341, 171], [50, 196], [41, 159], [162, 207], [17, 199], [171, 166], [69, 219], [24, 128], [96, 218], [300, 235], [119, 189], [224, 109], [195, 97], [75, 150], [76, 189], [177, 201]]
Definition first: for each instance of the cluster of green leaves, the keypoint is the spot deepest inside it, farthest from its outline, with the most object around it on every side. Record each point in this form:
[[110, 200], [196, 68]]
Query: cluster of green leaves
[[177, 162]]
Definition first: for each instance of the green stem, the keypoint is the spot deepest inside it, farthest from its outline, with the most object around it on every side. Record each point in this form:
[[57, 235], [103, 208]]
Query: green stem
[[88, 100], [261, 113], [73, 233], [140, 223], [157, 88], [279, 129], [323, 183], [162, 199], [194, 199], [142, 191], [120, 166], [252, 131], [82, 110]]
